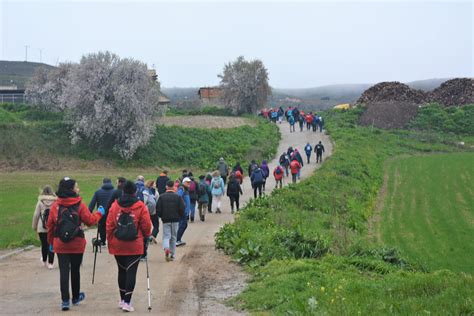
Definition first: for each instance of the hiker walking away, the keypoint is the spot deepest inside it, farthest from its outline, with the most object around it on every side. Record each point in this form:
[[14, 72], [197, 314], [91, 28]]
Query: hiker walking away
[[150, 196], [252, 167], [319, 149], [204, 191], [290, 152], [66, 237], [170, 208], [309, 120], [301, 122], [183, 192], [102, 197], [285, 162], [193, 196], [209, 194], [321, 123], [40, 219], [300, 160], [280, 114], [291, 120], [140, 183], [161, 182], [274, 116], [128, 226], [278, 175], [117, 192], [233, 192], [266, 173], [315, 122], [238, 167], [223, 169], [295, 167], [217, 190], [257, 182], [308, 150]]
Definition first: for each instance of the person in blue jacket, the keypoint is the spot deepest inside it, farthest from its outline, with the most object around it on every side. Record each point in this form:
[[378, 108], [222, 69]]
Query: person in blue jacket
[[308, 149], [183, 192], [102, 197]]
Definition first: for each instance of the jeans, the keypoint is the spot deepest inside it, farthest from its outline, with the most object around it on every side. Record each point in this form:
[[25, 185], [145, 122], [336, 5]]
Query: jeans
[[183, 224], [46, 254], [127, 275], [193, 210], [308, 156], [170, 232], [70, 263]]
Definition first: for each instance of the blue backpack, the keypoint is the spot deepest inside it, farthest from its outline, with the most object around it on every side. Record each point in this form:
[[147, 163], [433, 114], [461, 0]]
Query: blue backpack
[[257, 176], [289, 113]]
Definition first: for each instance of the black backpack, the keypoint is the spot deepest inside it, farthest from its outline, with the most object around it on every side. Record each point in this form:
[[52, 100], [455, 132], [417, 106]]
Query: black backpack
[[126, 229], [44, 217], [202, 190], [68, 225]]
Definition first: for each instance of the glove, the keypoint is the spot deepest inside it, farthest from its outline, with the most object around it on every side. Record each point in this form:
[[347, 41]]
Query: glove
[[51, 248], [101, 210]]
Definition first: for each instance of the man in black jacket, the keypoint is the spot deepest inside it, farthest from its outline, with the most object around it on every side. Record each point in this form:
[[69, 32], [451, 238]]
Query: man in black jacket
[[161, 182], [170, 208], [319, 149], [101, 198]]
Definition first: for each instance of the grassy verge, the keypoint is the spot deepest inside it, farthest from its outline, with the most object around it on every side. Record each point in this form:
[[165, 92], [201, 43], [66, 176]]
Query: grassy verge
[[428, 211], [33, 140], [325, 218]]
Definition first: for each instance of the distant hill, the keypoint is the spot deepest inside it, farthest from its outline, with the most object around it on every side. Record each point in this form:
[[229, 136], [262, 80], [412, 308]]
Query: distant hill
[[18, 72], [428, 84]]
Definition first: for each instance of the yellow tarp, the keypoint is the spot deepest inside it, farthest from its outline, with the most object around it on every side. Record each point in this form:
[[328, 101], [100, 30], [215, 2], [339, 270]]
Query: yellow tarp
[[344, 106]]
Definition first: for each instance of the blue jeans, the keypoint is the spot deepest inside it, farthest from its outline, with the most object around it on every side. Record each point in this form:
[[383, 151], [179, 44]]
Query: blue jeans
[[183, 224], [193, 210]]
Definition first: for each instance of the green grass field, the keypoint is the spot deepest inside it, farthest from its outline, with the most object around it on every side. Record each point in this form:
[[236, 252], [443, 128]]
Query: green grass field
[[19, 192], [428, 211]]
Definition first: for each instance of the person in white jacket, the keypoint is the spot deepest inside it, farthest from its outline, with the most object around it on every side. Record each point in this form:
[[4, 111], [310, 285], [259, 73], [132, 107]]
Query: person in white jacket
[[40, 218]]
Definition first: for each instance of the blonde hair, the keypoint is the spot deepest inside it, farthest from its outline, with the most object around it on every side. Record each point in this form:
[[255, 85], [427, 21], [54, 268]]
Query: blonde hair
[[216, 173], [149, 183]]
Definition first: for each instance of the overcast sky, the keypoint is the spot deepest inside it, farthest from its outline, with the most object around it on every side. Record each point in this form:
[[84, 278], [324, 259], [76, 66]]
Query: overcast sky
[[303, 44]]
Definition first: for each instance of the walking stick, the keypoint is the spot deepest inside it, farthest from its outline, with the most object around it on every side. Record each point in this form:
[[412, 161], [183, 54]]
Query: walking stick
[[96, 245], [148, 284]]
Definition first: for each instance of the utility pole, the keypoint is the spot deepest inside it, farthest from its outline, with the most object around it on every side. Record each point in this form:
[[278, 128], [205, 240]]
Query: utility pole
[[26, 52]]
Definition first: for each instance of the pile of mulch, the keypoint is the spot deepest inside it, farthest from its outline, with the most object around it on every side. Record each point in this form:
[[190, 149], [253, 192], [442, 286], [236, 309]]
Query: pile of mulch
[[459, 91], [392, 92], [388, 115]]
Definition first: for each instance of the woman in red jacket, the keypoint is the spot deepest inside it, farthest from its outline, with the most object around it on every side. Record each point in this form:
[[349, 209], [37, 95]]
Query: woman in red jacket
[[126, 241], [66, 237]]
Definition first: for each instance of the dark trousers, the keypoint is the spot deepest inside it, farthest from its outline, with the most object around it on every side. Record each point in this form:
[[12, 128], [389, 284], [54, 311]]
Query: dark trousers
[[156, 225], [280, 182], [45, 253], [101, 227], [301, 126], [209, 205], [308, 126], [293, 177], [183, 224], [234, 199], [224, 178], [308, 156], [127, 275], [319, 157], [314, 127], [70, 263], [257, 186]]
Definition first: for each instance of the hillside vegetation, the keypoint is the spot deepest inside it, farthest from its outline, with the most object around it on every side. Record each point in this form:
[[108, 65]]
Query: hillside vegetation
[[18, 72], [308, 246], [39, 140]]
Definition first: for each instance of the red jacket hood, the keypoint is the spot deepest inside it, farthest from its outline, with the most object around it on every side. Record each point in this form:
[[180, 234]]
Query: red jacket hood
[[127, 209], [69, 201]]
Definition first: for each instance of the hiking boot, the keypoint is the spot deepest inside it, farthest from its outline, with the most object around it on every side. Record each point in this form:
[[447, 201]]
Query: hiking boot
[[50, 266], [180, 243], [65, 305], [202, 218], [120, 305], [127, 307], [81, 297], [172, 258], [167, 255], [192, 219]]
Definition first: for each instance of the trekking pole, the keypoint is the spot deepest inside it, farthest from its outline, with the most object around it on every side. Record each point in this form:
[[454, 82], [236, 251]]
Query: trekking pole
[[148, 284], [95, 246]]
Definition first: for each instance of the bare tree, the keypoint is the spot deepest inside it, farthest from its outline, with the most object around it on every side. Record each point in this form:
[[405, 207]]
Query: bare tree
[[244, 85], [109, 99]]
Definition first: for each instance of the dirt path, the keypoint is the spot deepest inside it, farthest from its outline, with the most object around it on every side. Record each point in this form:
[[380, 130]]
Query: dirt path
[[195, 284]]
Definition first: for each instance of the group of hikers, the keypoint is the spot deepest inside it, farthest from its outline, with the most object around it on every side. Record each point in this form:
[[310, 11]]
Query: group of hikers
[[311, 120], [127, 216]]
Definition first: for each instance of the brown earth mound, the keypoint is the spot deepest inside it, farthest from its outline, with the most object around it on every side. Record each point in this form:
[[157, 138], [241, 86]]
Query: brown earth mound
[[459, 91], [388, 115], [392, 92]]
